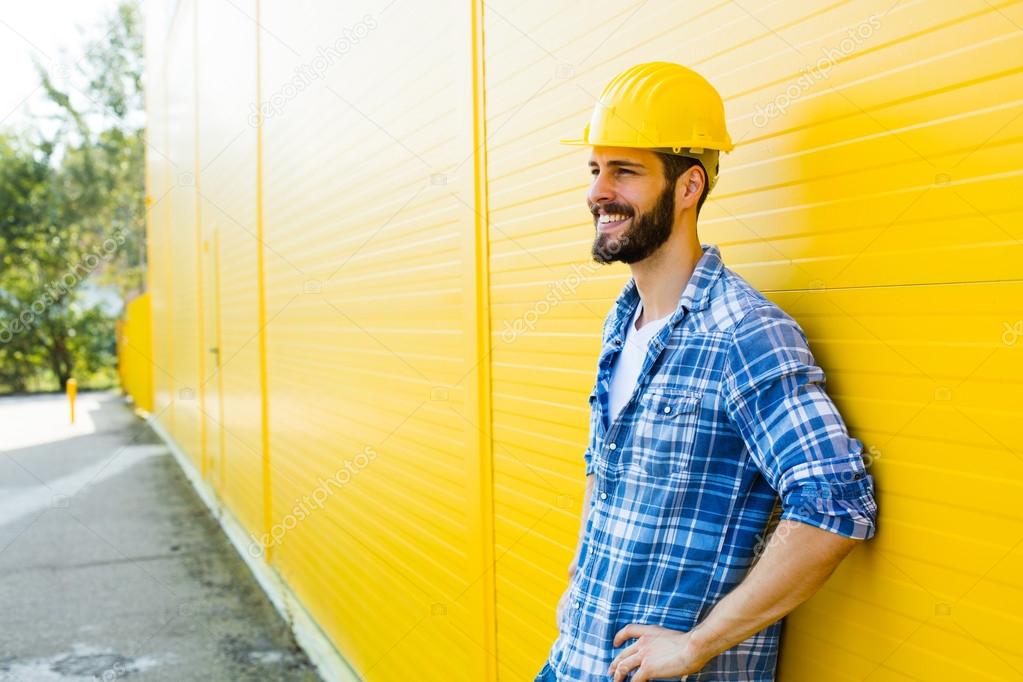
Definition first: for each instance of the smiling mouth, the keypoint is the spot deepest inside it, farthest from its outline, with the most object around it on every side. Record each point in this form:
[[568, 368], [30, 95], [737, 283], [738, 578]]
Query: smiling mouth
[[611, 221]]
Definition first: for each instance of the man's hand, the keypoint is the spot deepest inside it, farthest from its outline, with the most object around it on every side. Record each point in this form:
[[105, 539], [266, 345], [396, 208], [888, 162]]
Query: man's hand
[[657, 652], [797, 561]]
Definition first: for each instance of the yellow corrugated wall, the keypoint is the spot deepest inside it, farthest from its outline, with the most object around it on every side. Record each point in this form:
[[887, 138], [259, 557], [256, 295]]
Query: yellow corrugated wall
[[391, 265]]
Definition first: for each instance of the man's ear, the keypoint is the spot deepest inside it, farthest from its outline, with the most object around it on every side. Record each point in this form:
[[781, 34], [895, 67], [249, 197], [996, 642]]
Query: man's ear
[[691, 185]]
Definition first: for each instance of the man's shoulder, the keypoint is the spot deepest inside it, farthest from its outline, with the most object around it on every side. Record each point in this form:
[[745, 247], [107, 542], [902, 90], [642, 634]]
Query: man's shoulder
[[734, 302]]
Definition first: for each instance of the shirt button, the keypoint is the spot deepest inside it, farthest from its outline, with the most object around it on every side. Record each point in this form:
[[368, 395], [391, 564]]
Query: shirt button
[[577, 604], [612, 446], [603, 496], [667, 410]]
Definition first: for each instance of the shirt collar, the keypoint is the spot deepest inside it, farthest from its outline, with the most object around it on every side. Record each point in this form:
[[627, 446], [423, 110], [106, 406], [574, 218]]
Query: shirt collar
[[695, 295]]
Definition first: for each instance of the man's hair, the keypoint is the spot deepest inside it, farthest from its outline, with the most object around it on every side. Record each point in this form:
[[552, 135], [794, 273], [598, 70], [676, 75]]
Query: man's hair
[[675, 165]]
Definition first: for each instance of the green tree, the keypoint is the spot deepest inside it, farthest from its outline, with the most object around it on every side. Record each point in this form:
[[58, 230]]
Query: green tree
[[72, 211], [105, 140]]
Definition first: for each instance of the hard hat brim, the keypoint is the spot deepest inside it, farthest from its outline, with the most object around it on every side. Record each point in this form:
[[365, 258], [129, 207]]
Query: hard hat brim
[[578, 142]]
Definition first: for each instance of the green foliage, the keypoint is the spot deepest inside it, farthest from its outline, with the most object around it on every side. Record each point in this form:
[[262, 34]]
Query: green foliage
[[72, 213]]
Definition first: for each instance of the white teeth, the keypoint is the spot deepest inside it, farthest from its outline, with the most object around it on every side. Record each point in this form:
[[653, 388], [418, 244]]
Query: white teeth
[[613, 218]]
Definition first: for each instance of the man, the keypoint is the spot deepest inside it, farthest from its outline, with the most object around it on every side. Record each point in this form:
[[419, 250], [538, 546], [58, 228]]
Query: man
[[708, 416]]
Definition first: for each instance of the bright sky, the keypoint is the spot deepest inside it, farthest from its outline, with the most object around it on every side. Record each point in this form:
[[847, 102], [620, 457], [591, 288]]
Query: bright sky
[[52, 30]]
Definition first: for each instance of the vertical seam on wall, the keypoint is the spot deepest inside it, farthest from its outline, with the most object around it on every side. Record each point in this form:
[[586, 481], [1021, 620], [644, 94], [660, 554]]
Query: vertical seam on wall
[[481, 227], [199, 260], [261, 287]]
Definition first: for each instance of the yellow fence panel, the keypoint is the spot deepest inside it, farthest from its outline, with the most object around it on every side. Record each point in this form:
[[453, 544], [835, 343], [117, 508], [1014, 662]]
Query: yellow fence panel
[[134, 346]]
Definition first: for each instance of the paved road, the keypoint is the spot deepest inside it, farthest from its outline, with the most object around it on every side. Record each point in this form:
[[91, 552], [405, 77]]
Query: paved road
[[111, 567]]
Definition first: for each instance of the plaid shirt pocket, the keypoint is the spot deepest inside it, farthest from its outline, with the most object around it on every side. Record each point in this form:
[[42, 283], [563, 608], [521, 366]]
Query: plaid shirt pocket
[[665, 431]]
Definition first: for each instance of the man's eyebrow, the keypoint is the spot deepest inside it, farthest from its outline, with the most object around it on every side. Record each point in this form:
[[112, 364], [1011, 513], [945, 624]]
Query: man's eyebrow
[[620, 162]]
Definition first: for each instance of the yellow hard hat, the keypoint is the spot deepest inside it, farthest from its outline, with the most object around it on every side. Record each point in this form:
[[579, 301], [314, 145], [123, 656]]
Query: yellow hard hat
[[664, 107]]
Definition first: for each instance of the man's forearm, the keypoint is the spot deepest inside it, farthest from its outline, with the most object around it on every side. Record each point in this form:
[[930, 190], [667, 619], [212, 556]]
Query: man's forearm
[[798, 559]]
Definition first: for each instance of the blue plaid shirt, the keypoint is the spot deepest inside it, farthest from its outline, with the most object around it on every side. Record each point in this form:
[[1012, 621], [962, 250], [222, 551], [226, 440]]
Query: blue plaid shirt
[[729, 417]]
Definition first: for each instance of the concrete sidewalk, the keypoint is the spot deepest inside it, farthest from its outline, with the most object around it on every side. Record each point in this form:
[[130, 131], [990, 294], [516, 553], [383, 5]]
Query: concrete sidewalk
[[110, 565]]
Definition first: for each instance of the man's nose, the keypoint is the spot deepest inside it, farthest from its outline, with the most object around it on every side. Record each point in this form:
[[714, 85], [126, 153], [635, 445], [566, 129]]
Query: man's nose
[[601, 191]]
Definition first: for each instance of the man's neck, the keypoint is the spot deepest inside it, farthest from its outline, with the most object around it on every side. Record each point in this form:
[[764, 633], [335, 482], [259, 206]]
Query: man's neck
[[662, 277]]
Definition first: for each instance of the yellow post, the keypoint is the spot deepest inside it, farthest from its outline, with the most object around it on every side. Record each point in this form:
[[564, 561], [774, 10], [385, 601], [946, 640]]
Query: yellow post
[[72, 391]]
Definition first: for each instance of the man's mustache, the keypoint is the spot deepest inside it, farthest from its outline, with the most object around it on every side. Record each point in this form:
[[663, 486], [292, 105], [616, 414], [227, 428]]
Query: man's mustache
[[596, 209]]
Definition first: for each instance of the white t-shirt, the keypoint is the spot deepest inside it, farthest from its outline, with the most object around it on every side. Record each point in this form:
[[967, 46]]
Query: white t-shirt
[[625, 372]]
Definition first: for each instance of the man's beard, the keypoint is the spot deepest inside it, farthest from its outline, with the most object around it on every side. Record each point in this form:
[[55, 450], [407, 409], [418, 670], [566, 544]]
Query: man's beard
[[649, 230]]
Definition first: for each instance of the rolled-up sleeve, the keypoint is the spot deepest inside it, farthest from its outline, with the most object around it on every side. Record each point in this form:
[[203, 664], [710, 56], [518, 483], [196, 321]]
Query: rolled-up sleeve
[[775, 397]]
